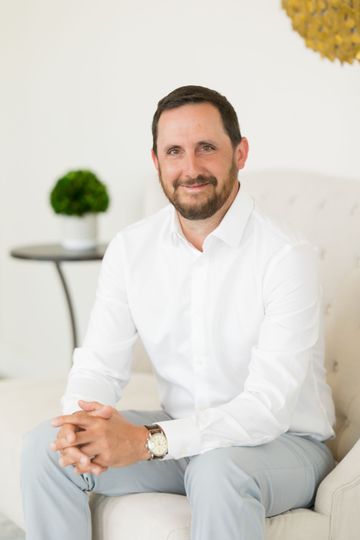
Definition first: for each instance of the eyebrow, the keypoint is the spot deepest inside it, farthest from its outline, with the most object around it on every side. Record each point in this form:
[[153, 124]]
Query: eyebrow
[[208, 141], [168, 146]]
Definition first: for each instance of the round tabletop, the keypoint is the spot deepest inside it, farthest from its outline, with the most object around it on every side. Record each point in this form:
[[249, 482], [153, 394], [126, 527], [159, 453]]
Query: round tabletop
[[57, 253]]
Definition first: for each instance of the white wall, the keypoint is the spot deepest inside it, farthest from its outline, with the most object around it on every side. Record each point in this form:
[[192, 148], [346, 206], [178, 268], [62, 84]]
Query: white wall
[[80, 80]]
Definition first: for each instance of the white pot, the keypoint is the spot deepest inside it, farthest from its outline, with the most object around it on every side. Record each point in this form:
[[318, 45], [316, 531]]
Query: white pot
[[79, 232]]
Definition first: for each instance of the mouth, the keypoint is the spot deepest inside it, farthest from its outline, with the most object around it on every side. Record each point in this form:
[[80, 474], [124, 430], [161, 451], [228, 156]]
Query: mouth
[[195, 187]]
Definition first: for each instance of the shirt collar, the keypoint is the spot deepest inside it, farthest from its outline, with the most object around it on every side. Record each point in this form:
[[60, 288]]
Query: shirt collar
[[231, 227], [175, 227]]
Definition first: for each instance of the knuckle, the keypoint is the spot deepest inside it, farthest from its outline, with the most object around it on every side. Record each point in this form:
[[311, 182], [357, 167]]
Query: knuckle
[[71, 453], [106, 458]]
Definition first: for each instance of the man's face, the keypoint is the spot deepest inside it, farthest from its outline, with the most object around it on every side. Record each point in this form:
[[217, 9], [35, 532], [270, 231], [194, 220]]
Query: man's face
[[196, 161]]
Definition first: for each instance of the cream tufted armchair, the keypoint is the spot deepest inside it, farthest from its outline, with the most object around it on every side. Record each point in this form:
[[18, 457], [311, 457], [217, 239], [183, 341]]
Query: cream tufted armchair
[[327, 210]]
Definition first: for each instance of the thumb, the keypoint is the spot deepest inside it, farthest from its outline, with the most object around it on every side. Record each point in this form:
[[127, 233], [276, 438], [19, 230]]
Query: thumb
[[89, 406], [94, 408], [105, 411]]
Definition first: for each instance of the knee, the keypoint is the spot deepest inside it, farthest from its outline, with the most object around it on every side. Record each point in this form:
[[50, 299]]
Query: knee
[[217, 474], [36, 450]]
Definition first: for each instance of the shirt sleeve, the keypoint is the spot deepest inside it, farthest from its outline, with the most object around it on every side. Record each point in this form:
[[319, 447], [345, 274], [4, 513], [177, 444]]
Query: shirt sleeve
[[102, 366], [278, 366]]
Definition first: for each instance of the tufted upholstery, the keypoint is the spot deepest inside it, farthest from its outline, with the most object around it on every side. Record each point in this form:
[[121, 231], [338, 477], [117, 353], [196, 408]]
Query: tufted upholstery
[[327, 211]]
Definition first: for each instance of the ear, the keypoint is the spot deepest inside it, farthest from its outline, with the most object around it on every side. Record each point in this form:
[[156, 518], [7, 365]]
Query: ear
[[241, 153], [155, 159]]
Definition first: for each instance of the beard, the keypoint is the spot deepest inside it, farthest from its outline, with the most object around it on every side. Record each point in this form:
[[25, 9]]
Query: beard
[[208, 203]]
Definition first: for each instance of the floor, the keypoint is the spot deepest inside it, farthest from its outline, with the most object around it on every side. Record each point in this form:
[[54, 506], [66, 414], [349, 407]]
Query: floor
[[9, 531]]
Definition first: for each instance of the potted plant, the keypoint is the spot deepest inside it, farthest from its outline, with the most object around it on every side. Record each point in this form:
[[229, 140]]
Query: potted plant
[[78, 197]]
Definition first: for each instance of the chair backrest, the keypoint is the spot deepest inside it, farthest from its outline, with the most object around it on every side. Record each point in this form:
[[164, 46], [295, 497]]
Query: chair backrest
[[327, 211]]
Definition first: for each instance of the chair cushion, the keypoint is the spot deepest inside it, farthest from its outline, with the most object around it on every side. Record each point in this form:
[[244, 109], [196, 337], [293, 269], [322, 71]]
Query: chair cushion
[[167, 517]]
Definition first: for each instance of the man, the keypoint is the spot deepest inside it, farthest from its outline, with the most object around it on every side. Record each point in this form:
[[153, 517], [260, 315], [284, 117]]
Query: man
[[228, 308]]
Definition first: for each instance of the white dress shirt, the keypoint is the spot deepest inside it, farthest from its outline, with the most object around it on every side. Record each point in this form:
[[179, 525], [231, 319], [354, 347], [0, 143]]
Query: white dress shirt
[[234, 332]]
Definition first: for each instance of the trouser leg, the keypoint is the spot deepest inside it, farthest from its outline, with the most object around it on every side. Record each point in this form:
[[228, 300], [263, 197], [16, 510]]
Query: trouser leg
[[55, 499], [231, 490]]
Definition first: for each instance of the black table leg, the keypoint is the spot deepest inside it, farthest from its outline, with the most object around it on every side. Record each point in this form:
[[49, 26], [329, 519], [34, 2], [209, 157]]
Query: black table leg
[[69, 303]]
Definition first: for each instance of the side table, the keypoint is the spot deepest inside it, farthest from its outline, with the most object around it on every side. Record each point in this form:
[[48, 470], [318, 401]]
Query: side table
[[57, 254]]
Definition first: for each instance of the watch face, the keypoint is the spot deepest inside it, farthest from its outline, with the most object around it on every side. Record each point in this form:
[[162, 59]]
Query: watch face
[[157, 444]]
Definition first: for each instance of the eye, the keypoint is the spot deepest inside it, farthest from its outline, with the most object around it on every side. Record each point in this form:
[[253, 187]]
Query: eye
[[207, 147], [173, 151]]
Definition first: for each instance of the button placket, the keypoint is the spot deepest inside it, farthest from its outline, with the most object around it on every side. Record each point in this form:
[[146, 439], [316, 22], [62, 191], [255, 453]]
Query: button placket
[[199, 293]]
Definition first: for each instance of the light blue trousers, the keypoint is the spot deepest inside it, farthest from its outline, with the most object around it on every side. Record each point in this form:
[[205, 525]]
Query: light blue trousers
[[230, 490]]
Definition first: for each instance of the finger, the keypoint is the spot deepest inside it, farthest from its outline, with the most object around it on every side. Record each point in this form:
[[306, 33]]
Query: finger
[[94, 469], [105, 412], [82, 464], [67, 431], [89, 405], [65, 436], [73, 456], [62, 444], [81, 419], [94, 408], [80, 438], [96, 453]]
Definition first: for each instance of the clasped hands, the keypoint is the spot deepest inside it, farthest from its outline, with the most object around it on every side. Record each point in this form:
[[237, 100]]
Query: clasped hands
[[98, 437]]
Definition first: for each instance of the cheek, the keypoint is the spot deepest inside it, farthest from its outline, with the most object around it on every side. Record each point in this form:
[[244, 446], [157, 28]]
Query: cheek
[[170, 171]]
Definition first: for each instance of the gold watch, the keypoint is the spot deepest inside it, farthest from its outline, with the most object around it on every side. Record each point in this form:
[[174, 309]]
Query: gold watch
[[156, 443]]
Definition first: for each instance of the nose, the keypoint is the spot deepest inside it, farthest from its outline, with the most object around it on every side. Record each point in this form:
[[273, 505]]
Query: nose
[[191, 166]]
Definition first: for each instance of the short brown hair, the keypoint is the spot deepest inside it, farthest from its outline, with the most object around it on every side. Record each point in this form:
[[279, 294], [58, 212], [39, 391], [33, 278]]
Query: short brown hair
[[199, 94]]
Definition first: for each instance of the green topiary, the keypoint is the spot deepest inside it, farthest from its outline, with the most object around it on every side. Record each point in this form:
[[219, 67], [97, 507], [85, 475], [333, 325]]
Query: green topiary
[[78, 193]]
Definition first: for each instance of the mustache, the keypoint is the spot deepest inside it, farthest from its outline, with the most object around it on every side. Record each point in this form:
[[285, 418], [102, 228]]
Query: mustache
[[199, 180]]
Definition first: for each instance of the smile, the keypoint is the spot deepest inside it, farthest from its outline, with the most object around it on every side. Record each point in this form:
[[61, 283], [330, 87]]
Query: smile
[[195, 187]]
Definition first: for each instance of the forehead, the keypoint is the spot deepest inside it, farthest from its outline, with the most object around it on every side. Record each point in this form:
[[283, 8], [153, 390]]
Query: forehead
[[198, 121]]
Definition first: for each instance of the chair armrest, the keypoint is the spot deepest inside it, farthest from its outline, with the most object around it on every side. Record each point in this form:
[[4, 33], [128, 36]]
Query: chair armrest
[[338, 497]]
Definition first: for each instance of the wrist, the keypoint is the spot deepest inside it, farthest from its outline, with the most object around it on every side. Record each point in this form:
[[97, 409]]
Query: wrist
[[143, 452]]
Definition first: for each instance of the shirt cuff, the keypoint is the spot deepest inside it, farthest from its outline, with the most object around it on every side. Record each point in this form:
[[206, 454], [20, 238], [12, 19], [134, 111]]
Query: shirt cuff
[[183, 437]]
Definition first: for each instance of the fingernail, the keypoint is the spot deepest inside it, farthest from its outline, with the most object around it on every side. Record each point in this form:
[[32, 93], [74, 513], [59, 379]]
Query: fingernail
[[61, 462], [69, 437], [53, 446], [55, 421], [83, 461]]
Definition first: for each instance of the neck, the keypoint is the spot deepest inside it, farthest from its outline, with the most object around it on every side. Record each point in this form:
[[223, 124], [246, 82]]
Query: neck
[[195, 231]]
